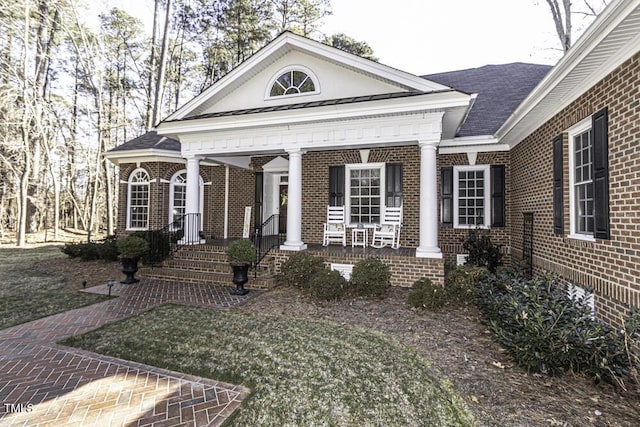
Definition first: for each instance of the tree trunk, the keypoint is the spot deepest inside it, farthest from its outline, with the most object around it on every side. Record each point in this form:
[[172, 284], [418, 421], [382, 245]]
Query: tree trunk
[[157, 109], [152, 69]]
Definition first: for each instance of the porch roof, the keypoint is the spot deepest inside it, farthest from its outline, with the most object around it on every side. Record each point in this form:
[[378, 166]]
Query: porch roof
[[301, 105]]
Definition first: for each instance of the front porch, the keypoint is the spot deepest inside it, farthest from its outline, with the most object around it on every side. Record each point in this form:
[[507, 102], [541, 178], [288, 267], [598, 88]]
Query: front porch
[[206, 264]]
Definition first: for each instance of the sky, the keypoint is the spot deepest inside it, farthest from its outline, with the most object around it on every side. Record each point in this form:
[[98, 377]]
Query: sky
[[430, 36]]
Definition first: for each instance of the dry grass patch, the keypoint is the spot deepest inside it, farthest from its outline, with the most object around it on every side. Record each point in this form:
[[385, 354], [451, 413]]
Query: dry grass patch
[[301, 372], [26, 293]]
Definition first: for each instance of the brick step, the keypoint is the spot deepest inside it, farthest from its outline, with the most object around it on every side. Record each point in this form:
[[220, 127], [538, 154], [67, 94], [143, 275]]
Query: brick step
[[208, 265], [263, 281]]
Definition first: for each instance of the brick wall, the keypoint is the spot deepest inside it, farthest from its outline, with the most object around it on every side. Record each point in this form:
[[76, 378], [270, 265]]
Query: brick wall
[[405, 270], [612, 266], [315, 188], [241, 195]]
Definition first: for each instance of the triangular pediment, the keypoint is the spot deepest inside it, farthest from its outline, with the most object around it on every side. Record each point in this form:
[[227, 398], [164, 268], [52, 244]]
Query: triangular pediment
[[337, 75], [279, 164]]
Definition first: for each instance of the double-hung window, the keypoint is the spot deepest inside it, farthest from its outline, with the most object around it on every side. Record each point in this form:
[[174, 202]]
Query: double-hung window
[[588, 179], [581, 180], [365, 187], [138, 200], [471, 196]]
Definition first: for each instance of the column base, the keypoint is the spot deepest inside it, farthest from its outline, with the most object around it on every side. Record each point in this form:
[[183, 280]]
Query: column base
[[433, 252], [296, 246]]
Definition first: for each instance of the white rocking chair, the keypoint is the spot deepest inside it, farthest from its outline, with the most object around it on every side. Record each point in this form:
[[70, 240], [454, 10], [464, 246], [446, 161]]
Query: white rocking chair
[[335, 228], [388, 232]]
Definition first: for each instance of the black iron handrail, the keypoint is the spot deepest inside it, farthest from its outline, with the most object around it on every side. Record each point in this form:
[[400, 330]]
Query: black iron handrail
[[266, 237], [184, 230]]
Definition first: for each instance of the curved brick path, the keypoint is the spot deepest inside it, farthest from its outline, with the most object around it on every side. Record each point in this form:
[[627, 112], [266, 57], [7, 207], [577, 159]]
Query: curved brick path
[[60, 386]]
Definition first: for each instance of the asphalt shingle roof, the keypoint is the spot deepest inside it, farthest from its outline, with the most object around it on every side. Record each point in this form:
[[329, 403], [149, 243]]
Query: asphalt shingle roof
[[150, 139], [500, 89]]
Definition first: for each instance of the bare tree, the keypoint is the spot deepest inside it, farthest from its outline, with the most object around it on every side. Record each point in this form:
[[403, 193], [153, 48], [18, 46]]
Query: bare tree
[[562, 11]]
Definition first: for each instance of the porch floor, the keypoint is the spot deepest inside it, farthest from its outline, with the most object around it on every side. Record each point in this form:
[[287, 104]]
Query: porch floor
[[337, 249]]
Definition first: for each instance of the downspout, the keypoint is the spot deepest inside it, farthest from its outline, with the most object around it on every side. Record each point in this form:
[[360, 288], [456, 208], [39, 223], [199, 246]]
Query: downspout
[[226, 203]]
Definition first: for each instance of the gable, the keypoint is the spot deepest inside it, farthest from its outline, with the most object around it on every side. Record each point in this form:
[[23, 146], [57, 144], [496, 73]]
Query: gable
[[340, 75], [332, 81]]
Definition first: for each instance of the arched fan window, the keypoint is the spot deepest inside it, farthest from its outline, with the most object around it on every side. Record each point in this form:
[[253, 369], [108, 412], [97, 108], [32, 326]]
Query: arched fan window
[[294, 81]]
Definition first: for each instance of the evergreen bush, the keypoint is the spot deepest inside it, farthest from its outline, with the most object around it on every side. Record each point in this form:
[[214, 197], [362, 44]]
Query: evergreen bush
[[299, 268], [426, 294], [547, 331], [370, 277], [327, 285], [482, 251]]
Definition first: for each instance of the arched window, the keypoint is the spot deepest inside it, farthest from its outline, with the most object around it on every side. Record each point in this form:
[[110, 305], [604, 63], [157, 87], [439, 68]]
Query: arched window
[[178, 197], [138, 200], [294, 81]]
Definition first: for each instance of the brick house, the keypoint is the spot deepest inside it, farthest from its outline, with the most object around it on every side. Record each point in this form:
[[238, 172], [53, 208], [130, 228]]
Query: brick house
[[545, 158]]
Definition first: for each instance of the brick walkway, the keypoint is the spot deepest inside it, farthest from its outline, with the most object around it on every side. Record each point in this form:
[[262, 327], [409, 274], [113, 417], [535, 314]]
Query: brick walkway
[[44, 384]]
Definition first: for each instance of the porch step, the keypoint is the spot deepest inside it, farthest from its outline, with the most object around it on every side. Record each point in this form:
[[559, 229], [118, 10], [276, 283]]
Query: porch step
[[208, 264], [206, 278]]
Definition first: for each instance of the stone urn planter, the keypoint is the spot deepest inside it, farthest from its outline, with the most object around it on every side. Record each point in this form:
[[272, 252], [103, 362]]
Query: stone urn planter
[[241, 254], [131, 248]]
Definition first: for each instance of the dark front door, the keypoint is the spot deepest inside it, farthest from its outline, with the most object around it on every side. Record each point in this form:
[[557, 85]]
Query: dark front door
[[284, 200]]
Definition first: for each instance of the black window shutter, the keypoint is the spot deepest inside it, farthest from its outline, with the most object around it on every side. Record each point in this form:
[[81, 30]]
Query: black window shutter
[[497, 196], [601, 174], [393, 176], [558, 189], [258, 200], [446, 194], [336, 185]]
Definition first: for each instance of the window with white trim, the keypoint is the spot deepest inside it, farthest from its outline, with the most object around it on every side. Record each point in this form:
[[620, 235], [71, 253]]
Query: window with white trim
[[364, 187], [178, 196], [138, 200], [471, 201], [296, 80], [581, 197]]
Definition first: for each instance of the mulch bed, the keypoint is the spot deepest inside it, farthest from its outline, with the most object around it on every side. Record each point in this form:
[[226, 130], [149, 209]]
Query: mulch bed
[[456, 343]]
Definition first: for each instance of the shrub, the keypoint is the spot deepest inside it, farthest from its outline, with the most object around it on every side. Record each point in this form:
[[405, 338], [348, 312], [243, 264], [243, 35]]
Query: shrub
[[327, 285], [459, 289], [545, 330], [426, 294], [241, 251], [84, 251], [108, 249], [460, 284], [482, 251], [132, 247], [300, 268], [370, 277]]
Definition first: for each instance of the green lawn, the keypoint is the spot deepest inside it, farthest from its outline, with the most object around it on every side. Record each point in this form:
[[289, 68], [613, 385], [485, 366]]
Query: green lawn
[[300, 372], [27, 294]]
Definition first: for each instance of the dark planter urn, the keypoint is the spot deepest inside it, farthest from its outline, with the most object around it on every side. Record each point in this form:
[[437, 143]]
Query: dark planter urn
[[129, 267], [240, 277]]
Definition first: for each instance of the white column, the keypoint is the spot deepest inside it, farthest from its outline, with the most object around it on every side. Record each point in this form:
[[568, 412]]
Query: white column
[[192, 202], [294, 203], [428, 202]]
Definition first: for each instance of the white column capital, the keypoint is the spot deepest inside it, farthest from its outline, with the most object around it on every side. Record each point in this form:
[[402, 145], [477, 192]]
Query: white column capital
[[428, 144], [295, 151]]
